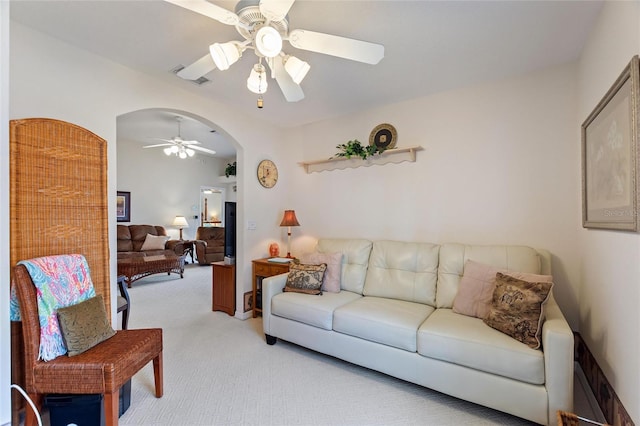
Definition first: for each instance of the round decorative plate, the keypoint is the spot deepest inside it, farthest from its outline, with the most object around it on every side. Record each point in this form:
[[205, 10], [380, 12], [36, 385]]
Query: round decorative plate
[[383, 136]]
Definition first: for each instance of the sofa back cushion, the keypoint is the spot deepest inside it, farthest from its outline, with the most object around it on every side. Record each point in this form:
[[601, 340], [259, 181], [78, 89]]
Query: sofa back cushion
[[124, 238], [139, 234], [211, 234], [511, 258], [403, 271], [355, 260]]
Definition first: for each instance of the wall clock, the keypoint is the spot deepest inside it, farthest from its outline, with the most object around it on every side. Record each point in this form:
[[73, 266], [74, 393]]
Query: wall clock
[[267, 173]]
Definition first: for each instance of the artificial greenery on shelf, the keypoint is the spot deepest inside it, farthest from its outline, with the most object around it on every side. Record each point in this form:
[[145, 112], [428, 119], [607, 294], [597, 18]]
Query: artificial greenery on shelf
[[355, 148], [230, 170]]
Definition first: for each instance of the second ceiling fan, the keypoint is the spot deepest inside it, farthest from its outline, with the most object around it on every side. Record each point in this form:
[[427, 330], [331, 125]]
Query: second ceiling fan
[[264, 26]]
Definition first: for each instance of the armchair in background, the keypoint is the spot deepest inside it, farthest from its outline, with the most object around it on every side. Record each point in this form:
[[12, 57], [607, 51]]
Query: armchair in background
[[209, 244]]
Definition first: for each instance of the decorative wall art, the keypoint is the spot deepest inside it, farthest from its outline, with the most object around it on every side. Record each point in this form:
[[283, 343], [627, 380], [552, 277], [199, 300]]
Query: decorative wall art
[[384, 136], [610, 156], [123, 206]]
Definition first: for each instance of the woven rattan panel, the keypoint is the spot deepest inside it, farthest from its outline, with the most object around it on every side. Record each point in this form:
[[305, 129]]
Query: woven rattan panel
[[59, 201]]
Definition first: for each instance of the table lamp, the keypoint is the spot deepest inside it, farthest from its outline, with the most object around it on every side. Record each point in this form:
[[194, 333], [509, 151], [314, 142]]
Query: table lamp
[[289, 220], [180, 222]]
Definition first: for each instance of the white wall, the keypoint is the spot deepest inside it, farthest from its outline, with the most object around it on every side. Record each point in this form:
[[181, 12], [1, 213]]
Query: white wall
[[499, 166], [53, 79], [164, 187], [5, 344], [609, 270]]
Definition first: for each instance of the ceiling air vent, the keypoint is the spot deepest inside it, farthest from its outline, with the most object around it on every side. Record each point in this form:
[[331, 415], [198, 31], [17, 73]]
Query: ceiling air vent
[[199, 82]]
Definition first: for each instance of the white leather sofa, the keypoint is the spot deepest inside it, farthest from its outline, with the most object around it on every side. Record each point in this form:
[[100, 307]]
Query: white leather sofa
[[394, 314]]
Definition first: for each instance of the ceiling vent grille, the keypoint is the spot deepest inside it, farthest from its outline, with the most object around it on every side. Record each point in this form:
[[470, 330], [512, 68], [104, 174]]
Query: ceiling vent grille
[[198, 82]]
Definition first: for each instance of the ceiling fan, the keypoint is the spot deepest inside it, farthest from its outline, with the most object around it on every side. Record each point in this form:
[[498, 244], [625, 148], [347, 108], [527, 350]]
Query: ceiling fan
[[180, 147], [264, 25]]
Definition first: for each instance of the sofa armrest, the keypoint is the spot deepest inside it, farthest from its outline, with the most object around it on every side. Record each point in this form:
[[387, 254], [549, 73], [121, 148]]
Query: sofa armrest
[[271, 286], [176, 246], [200, 247], [557, 343]]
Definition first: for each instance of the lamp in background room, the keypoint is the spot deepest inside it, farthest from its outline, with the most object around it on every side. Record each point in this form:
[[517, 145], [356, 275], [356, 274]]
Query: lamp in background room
[[180, 222], [289, 220]]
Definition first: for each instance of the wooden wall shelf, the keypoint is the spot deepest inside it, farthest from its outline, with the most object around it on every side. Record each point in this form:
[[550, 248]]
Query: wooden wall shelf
[[395, 155]]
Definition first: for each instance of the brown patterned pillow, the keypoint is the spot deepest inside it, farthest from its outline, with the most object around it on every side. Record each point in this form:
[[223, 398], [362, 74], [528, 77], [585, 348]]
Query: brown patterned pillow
[[517, 308], [84, 325], [305, 278]]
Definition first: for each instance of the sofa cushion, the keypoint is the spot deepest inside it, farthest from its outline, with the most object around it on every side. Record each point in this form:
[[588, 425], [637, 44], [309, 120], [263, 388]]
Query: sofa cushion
[[311, 310], [154, 242], [453, 257], [388, 321], [331, 280], [468, 341], [475, 291], [354, 260], [404, 271], [517, 308], [139, 234], [305, 278]]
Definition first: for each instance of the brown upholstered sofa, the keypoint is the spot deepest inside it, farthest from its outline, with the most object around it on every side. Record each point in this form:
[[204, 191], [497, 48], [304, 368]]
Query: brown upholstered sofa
[[209, 244], [132, 237]]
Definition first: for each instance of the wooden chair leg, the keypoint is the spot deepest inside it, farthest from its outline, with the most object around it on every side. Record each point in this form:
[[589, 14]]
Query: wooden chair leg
[[29, 416], [158, 376], [125, 318], [111, 408]]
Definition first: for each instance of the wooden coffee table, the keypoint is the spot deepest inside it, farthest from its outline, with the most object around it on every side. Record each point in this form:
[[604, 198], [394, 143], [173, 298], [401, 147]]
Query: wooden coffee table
[[134, 268]]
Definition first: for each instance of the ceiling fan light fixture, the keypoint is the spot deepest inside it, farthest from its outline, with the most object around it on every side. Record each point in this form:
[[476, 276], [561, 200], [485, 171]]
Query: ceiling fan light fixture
[[257, 81], [224, 54], [296, 68], [268, 41], [167, 151], [190, 152], [182, 155]]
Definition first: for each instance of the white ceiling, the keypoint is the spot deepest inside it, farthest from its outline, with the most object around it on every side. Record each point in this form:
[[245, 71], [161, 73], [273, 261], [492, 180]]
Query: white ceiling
[[430, 46]]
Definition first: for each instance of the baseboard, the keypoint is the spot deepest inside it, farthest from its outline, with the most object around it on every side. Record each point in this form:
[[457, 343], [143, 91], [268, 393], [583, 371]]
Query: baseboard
[[603, 393]]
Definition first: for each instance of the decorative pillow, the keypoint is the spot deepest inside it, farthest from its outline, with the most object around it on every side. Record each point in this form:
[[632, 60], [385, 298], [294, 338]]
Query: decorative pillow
[[84, 325], [154, 242], [475, 291], [305, 278], [517, 308], [331, 280]]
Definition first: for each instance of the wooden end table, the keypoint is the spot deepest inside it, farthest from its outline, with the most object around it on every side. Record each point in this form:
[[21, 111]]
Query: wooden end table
[[262, 268]]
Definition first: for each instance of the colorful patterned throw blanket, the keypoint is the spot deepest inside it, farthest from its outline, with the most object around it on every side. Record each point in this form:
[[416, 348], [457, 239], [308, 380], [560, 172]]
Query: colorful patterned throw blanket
[[60, 281]]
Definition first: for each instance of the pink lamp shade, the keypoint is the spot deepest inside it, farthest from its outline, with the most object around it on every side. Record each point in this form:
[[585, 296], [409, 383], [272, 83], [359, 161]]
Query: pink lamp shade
[[289, 220]]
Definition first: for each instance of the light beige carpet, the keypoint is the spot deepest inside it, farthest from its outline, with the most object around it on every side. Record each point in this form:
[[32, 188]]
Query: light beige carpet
[[218, 370]]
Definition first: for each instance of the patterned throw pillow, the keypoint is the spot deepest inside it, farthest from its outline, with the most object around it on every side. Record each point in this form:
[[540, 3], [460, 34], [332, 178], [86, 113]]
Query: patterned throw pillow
[[305, 278], [84, 325], [475, 291], [517, 308]]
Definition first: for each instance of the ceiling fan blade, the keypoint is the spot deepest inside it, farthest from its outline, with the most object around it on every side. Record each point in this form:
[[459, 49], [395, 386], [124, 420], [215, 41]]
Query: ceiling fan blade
[[275, 10], [197, 69], [190, 143], [292, 92], [342, 47], [208, 9], [201, 149], [157, 145]]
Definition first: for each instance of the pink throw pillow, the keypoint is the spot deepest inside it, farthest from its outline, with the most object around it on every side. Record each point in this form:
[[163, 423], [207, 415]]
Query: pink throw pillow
[[475, 291], [331, 280]]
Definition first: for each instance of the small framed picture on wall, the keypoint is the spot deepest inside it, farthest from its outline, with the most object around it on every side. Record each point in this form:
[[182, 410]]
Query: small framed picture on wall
[[123, 206]]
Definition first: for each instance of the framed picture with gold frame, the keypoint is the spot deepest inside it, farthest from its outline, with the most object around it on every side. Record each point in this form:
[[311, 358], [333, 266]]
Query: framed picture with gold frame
[[610, 161]]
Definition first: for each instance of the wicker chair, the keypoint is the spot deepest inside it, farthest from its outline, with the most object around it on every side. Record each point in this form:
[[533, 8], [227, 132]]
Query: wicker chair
[[102, 369]]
